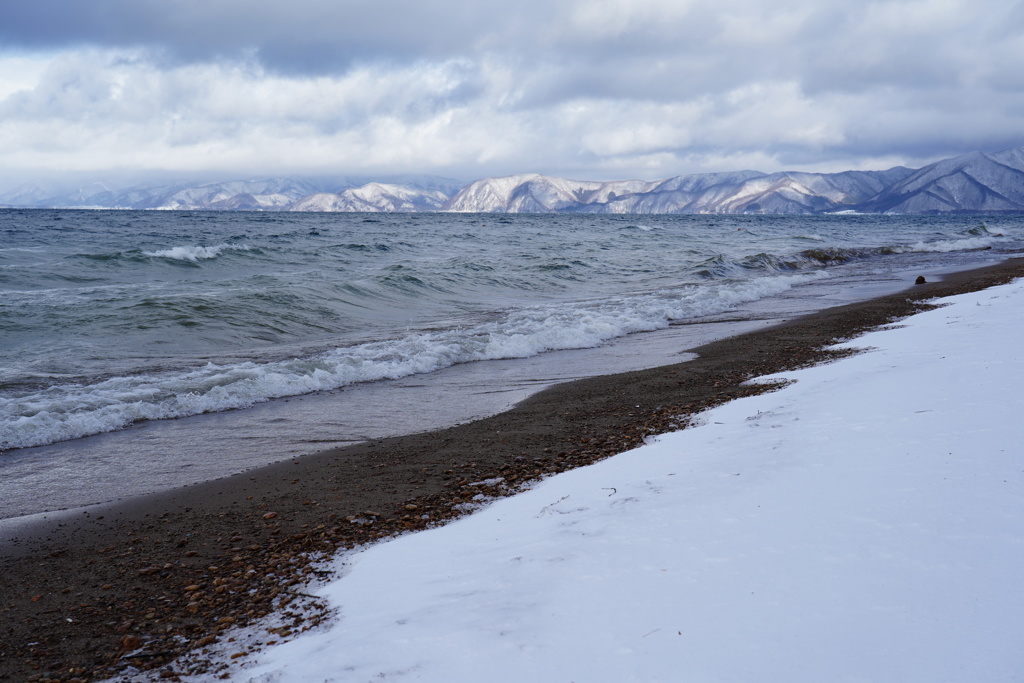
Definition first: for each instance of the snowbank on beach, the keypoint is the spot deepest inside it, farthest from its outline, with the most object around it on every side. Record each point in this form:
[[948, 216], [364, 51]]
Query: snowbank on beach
[[864, 523]]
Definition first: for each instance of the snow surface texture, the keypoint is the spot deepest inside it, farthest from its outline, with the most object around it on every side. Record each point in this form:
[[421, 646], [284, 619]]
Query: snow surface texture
[[862, 524]]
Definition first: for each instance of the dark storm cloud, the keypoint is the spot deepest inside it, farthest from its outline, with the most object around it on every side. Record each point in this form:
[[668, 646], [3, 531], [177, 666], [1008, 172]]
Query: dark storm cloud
[[314, 36], [597, 48]]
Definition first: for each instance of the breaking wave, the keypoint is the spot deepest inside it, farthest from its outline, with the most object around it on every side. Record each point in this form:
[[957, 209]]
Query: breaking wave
[[64, 412], [194, 253]]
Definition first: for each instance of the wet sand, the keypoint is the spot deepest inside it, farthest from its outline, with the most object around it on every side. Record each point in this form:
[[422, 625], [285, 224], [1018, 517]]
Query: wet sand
[[138, 583]]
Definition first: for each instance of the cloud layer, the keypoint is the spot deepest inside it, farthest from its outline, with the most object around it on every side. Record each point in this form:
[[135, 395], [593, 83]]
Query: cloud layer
[[589, 89]]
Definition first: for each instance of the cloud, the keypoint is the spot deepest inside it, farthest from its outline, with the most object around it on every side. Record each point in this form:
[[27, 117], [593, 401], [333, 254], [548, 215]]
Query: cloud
[[605, 88], [303, 36]]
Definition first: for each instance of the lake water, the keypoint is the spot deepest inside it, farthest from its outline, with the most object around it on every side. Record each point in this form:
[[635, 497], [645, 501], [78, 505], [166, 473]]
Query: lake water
[[143, 350]]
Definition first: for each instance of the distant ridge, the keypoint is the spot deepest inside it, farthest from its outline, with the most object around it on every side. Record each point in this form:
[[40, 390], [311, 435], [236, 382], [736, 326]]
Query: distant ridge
[[374, 197], [971, 183], [738, 192]]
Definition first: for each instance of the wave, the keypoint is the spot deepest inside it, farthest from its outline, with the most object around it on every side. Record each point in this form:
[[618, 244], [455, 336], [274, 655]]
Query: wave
[[65, 412], [983, 229], [973, 239], [974, 242], [184, 253], [194, 253], [721, 266], [945, 246]]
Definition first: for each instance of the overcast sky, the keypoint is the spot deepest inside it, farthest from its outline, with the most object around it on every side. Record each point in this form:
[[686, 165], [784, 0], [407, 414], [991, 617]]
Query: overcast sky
[[587, 89]]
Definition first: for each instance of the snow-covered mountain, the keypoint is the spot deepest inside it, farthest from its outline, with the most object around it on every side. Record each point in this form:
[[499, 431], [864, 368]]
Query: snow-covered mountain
[[738, 192], [404, 193], [270, 194], [373, 197], [974, 182], [534, 193]]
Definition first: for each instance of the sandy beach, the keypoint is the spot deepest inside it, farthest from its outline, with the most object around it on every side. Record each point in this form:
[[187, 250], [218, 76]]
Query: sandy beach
[[137, 583]]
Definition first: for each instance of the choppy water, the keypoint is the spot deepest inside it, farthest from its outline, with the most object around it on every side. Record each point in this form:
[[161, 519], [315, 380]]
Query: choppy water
[[111, 318]]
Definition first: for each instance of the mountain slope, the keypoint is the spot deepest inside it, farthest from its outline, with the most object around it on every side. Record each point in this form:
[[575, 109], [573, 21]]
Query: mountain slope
[[972, 182]]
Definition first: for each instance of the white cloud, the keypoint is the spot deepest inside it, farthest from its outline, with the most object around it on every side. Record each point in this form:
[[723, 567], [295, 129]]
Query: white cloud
[[19, 73], [602, 19], [644, 88]]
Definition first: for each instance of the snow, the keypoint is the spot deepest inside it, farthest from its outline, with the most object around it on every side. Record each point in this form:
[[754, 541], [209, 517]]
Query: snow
[[863, 523]]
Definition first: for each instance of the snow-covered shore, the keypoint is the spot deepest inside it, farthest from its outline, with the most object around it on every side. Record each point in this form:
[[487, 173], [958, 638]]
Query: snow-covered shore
[[863, 523]]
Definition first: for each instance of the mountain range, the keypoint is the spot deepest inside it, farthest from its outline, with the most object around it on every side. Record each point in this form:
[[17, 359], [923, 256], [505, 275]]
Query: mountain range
[[970, 183]]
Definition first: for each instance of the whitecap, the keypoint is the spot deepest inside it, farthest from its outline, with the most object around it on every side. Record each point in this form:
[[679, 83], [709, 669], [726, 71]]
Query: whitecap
[[194, 253]]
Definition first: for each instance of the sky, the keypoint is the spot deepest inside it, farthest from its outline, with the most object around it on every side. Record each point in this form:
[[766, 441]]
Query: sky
[[585, 89]]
